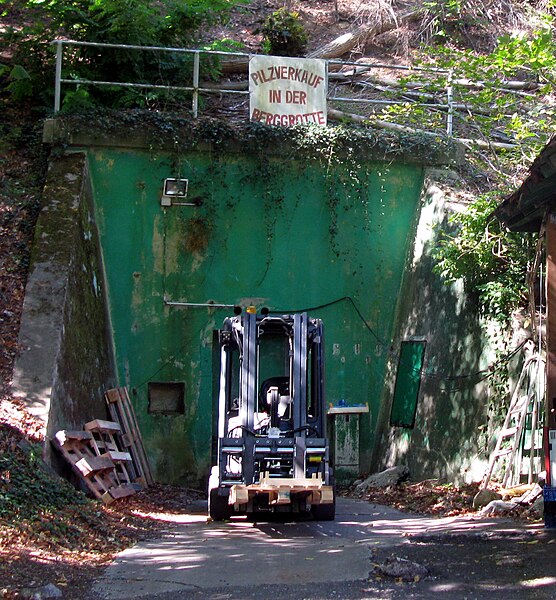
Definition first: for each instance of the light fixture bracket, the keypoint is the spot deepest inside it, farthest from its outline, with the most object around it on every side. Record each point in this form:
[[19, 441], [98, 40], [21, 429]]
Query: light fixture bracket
[[174, 189]]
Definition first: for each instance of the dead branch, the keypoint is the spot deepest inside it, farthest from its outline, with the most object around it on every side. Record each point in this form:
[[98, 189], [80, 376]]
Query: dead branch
[[515, 87], [346, 42], [338, 115]]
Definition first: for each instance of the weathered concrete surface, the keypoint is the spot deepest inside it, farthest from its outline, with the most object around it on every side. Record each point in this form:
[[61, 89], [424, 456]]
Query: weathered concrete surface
[[66, 355], [446, 441], [42, 318], [308, 559]]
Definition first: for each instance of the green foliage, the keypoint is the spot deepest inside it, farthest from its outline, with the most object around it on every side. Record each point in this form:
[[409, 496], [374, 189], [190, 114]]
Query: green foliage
[[492, 261], [225, 45], [501, 96], [442, 10], [284, 34], [17, 82], [77, 100], [210, 64], [448, 20], [519, 51], [134, 22], [27, 491]]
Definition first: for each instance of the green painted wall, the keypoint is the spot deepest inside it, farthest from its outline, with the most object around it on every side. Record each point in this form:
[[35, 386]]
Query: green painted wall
[[272, 232], [450, 437]]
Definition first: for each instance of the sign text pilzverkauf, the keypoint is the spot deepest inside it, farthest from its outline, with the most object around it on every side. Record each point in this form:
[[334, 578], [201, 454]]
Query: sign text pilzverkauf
[[287, 91]]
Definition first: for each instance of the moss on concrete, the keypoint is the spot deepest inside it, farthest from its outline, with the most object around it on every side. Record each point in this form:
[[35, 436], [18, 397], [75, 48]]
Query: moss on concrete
[[66, 361], [176, 133]]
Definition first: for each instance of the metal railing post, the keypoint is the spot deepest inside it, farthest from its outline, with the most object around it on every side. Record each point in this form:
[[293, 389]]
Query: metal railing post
[[450, 102], [195, 107], [58, 82]]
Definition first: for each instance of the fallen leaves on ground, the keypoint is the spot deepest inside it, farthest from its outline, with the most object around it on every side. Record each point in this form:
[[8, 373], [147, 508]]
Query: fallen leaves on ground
[[435, 498], [52, 533], [426, 497]]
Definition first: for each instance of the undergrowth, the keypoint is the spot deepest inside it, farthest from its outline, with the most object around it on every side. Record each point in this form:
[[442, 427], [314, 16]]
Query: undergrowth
[[40, 508]]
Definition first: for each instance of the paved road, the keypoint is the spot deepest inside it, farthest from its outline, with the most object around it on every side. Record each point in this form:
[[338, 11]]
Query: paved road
[[467, 558]]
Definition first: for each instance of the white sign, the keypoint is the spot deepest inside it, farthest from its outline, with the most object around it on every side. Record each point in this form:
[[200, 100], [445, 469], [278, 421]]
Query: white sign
[[287, 91]]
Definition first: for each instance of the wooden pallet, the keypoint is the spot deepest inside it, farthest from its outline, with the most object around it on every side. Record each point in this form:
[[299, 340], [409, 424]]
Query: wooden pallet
[[121, 411], [103, 441], [97, 472]]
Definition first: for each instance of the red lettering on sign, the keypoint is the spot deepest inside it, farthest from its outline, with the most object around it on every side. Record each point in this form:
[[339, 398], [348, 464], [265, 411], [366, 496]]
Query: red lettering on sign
[[287, 120], [296, 97], [275, 95]]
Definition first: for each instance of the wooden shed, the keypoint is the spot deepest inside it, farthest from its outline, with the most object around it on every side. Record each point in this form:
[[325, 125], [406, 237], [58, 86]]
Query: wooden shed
[[532, 208]]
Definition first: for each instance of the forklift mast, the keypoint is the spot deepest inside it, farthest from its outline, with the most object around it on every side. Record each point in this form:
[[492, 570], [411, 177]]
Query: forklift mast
[[272, 454]]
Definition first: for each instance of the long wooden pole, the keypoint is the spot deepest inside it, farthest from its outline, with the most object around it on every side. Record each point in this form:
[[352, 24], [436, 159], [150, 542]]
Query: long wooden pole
[[551, 321], [550, 419]]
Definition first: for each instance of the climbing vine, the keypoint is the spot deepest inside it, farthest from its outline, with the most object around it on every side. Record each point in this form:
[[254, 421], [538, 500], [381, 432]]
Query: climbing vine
[[492, 261], [329, 146]]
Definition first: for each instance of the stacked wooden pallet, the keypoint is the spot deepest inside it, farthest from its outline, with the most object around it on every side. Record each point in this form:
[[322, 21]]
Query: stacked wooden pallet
[[93, 455], [108, 456]]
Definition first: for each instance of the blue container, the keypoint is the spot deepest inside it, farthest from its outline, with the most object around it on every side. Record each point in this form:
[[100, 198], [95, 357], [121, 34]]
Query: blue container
[[549, 495]]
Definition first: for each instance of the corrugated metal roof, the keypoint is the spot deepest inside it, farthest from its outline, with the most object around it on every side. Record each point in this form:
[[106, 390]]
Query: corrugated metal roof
[[525, 208]]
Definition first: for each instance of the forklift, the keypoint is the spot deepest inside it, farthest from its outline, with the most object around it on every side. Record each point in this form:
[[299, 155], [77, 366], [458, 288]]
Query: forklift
[[271, 451]]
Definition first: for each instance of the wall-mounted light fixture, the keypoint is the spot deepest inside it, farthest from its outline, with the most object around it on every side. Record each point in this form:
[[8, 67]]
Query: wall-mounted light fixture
[[174, 191]]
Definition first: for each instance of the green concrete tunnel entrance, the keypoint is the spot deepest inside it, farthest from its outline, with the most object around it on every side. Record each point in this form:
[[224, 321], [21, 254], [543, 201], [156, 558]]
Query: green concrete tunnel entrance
[[259, 228]]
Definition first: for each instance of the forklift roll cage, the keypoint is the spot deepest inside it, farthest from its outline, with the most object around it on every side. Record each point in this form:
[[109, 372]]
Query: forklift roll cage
[[272, 454]]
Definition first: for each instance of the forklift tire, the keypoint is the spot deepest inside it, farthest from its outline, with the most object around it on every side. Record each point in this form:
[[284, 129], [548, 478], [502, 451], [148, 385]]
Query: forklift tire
[[218, 507], [324, 512]]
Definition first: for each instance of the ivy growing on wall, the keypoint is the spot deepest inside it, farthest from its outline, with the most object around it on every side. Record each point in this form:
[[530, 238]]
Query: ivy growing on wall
[[492, 261], [327, 145]]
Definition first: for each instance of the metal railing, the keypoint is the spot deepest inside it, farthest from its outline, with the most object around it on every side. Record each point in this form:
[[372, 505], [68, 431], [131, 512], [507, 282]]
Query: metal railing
[[194, 88], [335, 70]]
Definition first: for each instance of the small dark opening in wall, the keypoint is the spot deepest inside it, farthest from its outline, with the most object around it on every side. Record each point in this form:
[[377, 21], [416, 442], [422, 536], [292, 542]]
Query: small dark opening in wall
[[166, 398]]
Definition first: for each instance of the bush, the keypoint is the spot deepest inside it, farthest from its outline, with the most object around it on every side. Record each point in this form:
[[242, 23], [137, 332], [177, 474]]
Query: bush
[[492, 261], [174, 23], [284, 34]]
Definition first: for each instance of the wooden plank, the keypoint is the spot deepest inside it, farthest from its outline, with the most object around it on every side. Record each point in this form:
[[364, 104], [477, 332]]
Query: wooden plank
[[95, 486], [121, 410], [550, 400], [112, 395], [126, 440], [103, 426], [114, 407], [136, 432], [550, 410], [65, 436], [116, 456], [104, 445], [107, 498], [89, 465], [121, 491]]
